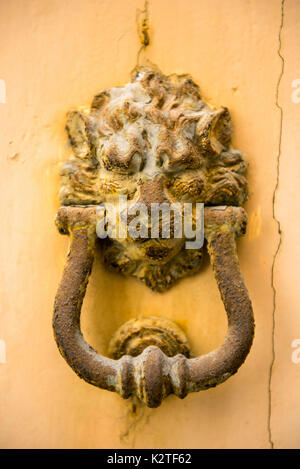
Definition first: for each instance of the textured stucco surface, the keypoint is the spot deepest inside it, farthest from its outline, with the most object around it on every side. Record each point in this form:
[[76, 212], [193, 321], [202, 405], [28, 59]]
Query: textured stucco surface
[[56, 55]]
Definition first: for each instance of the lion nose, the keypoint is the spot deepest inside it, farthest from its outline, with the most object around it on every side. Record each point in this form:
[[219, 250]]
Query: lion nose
[[152, 191]]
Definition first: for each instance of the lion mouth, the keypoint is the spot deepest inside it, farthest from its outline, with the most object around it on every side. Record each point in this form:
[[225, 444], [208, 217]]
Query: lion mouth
[[158, 250]]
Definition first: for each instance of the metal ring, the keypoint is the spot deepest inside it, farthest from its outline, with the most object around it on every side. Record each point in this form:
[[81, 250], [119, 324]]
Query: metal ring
[[152, 375]]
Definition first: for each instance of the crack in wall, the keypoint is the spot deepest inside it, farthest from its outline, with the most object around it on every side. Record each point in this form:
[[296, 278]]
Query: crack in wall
[[277, 221], [135, 420], [142, 22]]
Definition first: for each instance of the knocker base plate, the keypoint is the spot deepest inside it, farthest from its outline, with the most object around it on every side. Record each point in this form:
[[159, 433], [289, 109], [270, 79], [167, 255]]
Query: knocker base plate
[[137, 334]]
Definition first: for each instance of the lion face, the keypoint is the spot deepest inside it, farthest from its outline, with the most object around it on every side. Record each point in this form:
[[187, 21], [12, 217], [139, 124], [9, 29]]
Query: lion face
[[154, 141]]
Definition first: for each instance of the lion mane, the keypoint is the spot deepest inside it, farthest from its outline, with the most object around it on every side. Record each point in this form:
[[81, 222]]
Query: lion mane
[[156, 125]]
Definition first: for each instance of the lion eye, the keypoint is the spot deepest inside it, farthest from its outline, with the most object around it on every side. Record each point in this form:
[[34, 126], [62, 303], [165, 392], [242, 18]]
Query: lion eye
[[123, 164], [136, 163], [163, 160], [189, 130]]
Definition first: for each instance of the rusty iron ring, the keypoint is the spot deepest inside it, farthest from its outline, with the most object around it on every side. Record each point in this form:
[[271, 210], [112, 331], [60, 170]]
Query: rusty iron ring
[[152, 375]]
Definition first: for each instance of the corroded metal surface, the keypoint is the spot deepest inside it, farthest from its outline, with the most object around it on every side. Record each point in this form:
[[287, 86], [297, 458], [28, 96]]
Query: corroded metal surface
[[152, 375]]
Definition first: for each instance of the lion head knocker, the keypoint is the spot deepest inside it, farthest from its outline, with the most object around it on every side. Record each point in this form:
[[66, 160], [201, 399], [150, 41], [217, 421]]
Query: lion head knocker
[[153, 141]]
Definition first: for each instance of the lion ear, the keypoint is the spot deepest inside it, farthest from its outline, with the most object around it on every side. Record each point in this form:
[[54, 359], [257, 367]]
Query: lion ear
[[214, 131], [77, 131]]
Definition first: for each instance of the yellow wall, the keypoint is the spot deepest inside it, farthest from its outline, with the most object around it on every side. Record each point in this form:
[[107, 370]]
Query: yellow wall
[[55, 55]]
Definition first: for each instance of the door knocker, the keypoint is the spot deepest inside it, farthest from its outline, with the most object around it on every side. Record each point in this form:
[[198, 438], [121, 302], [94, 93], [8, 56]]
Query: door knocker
[[153, 142]]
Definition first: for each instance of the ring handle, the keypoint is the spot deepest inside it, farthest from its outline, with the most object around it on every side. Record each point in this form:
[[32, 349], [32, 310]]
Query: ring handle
[[152, 375]]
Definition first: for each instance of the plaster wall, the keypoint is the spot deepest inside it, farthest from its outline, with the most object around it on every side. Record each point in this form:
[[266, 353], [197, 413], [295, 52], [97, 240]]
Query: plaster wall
[[55, 55]]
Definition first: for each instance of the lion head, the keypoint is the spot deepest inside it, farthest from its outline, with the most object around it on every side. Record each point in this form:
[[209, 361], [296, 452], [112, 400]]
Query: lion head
[[153, 140]]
